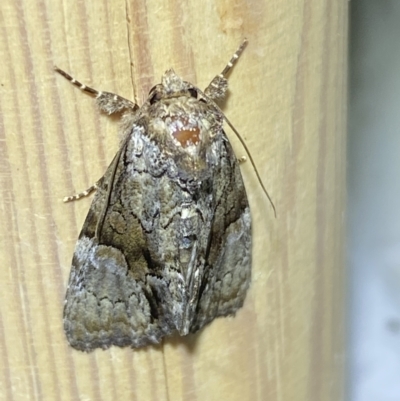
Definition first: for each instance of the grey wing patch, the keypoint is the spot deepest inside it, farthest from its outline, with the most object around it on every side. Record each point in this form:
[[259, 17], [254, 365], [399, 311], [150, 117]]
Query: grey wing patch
[[112, 296], [126, 285], [228, 263], [104, 306]]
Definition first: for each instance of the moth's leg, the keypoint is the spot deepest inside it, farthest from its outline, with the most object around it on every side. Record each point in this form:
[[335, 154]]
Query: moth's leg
[[108, 102], [219, 85], [241, 159], [82, 194]]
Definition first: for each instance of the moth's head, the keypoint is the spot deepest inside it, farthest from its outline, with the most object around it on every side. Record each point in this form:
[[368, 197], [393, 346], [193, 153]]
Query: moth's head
[[172, 86]]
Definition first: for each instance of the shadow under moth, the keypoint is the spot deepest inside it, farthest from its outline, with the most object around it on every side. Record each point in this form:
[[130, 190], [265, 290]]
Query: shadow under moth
[[166, 245]]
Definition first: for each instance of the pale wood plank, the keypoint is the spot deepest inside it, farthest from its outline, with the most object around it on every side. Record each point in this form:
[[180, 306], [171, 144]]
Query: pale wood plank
[[288, 97]]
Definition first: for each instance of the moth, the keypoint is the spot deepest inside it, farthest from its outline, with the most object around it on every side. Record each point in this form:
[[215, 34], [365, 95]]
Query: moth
[[166, 245]]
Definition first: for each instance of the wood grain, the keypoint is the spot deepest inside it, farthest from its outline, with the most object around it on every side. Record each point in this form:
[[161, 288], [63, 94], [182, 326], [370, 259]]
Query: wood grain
[[287, 98]]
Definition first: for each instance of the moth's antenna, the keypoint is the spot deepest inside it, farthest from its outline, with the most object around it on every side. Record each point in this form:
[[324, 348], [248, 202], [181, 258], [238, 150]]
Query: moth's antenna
[[234, 58], [244, 145], [251, 161], [217, 90]]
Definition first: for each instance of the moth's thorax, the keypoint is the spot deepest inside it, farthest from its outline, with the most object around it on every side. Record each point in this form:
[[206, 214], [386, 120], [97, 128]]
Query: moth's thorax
[[184, 124]]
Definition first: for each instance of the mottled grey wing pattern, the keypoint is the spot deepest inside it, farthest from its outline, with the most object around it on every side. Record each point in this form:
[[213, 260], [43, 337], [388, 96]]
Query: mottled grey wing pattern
[[166, 245], [109, 300], [133, 277], [228, 261]]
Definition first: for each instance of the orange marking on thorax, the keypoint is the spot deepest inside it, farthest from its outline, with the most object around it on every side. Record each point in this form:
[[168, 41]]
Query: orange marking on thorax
[[187, 137]]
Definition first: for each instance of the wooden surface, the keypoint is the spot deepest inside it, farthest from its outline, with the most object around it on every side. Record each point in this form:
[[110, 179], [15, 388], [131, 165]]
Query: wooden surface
[[287, 98]]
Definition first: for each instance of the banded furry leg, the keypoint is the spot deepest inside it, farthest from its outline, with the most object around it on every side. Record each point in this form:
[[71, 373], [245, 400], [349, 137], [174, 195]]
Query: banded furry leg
[[82, 194], [108, 102], [219, 85]]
